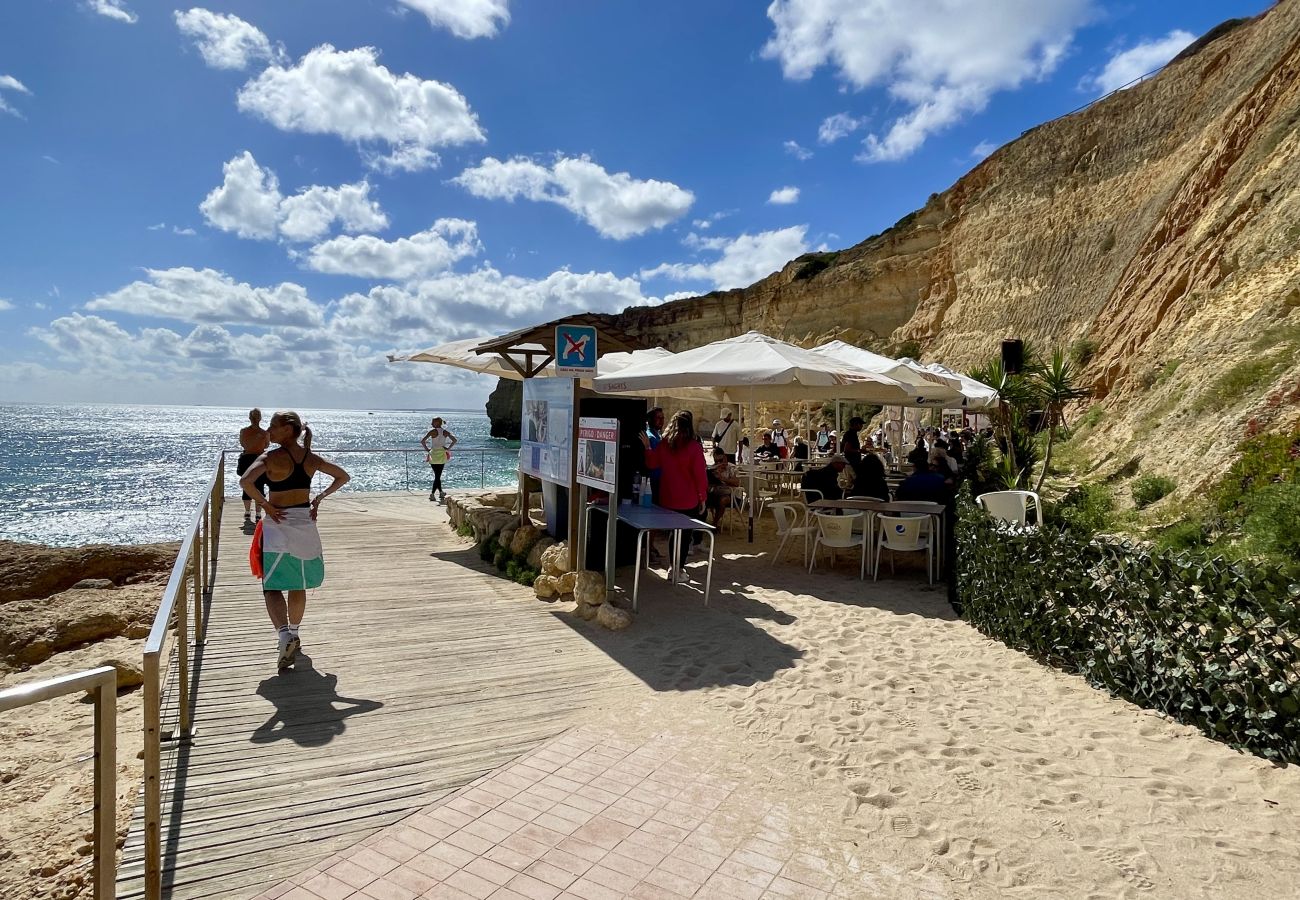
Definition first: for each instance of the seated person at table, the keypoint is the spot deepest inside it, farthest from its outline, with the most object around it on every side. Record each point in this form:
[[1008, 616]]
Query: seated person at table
[[767, 450], [723, 479], [869, 477], [919, 452], [825, 479], [925, 484]]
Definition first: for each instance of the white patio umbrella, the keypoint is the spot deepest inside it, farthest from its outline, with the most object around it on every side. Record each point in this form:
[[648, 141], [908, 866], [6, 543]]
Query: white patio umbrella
[[975, 394], [925, 388], [754, 367], [461, 355]]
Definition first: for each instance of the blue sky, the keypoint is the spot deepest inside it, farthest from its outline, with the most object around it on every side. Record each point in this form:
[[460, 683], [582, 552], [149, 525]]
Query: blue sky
[[253, 202]]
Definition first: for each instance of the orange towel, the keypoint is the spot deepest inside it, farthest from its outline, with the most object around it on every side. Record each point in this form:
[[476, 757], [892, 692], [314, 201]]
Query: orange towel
[[255, 551]]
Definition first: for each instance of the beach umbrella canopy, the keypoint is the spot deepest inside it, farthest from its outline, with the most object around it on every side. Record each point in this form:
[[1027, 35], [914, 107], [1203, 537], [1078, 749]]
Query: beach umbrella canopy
[[925, 388], [461, 355], [975, 394]]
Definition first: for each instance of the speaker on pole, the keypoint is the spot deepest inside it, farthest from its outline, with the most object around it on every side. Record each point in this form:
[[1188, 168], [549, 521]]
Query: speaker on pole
[[1013, 356]]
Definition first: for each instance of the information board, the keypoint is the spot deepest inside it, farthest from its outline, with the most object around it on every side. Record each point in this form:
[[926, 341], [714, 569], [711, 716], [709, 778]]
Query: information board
[[598, 453], [546, 430]]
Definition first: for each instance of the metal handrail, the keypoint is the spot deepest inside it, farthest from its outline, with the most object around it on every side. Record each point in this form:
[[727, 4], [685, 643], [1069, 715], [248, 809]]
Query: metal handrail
[[103, 682], [190, 582], [481, 451]]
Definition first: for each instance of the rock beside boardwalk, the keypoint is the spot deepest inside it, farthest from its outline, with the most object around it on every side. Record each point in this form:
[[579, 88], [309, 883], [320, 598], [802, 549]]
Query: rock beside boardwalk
[[613, 618], [555, 561], [32, 571], [589, 587], [544, 543], [524, 538], [546, 587]]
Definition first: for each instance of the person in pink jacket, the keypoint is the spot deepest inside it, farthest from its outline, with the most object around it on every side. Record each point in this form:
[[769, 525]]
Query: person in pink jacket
[[683, 478]]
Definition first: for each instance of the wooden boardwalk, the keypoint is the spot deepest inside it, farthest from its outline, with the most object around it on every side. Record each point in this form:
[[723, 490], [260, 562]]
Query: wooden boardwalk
[[422, 671]]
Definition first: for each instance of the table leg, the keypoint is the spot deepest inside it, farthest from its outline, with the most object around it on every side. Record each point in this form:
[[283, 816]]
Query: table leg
[[636, 579], [708, 577]]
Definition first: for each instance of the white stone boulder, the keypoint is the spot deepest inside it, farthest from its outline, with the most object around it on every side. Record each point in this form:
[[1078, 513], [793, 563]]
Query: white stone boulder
[[546, 587], [555, 561], [585, 611], [589, 587], [524, 538], [568, 581], [544, 543]]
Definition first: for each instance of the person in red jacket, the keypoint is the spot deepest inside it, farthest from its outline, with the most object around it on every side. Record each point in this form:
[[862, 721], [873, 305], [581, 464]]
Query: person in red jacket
[[683, 476]]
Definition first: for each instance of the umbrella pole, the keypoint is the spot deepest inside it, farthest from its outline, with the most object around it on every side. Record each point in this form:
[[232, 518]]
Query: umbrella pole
[[753, 417]]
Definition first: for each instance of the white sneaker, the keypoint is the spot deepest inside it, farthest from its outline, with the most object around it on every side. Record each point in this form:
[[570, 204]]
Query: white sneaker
[[289, 645]]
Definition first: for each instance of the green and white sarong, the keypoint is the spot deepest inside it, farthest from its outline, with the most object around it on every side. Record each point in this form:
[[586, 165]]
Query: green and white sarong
[[292, 559]]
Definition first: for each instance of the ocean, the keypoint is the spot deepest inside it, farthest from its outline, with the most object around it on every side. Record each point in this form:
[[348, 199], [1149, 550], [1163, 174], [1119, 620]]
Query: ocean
[[73, 475]]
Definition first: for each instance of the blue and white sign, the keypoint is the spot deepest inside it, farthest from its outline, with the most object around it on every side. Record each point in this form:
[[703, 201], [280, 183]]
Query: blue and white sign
[[575, 350]]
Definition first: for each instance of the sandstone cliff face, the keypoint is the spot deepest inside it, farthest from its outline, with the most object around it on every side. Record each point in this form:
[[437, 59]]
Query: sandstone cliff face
[[1161, 223]]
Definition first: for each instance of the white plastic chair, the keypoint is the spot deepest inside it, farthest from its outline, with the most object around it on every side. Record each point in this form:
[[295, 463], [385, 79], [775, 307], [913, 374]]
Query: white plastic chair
[[836, 533], [1012, 506], [791, 522], [902, 534]]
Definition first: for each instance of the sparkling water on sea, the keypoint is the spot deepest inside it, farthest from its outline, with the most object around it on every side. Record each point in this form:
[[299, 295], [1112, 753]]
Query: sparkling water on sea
[[135, 474]]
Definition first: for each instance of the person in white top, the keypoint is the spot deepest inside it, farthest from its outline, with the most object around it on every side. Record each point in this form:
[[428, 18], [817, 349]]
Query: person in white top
[[726, 435], [779, 439], [437, 442]]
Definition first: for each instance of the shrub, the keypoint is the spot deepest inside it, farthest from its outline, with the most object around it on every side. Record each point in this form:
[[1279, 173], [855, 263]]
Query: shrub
[[1241, 380], [1086, 509], [526, 576], [1093, 415], [1083, 350], [512, 569], [1272, 526], [1150, 488], [910, 348], [1188, 534], [488, 549], [1261, 460], [1208, 642], [501, 559]]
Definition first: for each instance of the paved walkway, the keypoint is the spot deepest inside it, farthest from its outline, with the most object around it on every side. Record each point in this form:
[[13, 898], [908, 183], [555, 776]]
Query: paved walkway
[[589, 816]]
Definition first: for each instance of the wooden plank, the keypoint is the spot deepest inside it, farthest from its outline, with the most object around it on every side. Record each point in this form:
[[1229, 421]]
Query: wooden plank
[[425, 671]]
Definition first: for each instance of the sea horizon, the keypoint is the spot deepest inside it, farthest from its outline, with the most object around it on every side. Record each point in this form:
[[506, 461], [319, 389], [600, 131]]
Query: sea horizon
[[125, 473]]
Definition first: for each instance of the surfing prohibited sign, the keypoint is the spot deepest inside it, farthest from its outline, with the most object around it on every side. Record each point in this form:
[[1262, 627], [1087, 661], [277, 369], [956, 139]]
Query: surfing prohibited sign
[[575, 350]]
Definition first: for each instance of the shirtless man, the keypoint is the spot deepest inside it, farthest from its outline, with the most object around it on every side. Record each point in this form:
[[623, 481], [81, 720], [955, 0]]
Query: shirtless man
[[253, 441]]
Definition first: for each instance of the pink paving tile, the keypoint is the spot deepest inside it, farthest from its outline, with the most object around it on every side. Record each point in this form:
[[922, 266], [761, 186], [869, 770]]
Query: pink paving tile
[[688, 823], [482, 796], [689, 870], [504, 893], [671, 881], [570, 862], [647, 891], [450, 853], [434, 827], [589, 890], [350, 873], [471, 884], [492, 871], [453, 817], [554, 794], [608, 878], [411, 837], [447, 892], [720, 885], [437, 869], [385, 889], [551, 874], [606, 783], [299, 893], [528, 773], [467, 806], [532, 888], [470, 843], [499, 788], [758, 861], [586, 804], [746, 873], [534, 801], [538, 831], [652, 841], [807, 876], [589, 852], [777, 851], [550, 820], [784, 888], [568, 785], [699, 857], [327, 887], [487, 831], [371, 859], [641, 853], [572, 813], [527, 845], [633, 868], [512, 858], [517, 810], [665, 830], [597, 795], [412, 879], [505, 821], [603, 832]]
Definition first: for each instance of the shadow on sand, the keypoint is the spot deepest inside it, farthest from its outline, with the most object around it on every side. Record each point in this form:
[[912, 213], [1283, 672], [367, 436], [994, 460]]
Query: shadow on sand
[[308, 708]]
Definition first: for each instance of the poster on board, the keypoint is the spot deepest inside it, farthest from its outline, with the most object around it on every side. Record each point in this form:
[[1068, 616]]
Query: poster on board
[[545, 433], [598, 453]]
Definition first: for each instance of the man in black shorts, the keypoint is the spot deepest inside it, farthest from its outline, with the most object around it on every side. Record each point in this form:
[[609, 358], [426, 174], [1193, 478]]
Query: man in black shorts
[[253, 441]]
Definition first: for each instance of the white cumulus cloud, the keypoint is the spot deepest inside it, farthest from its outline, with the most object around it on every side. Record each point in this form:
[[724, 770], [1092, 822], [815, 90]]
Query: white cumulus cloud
[[226, 41], [798, 151], [209, 296], [113, 9], [349, 94], [6, 305], [840, 125], [741, 260], [464, 18], [942, 59], [784, 196], [1129, 65], [435, 250], [983, 149], [10, 83], [615, 204], [249, 203]]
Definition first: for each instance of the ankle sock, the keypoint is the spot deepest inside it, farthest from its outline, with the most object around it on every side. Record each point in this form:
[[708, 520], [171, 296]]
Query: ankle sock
[[293, 630]]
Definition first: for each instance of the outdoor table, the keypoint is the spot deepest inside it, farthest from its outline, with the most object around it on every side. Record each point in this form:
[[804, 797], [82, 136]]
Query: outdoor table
[[894, 507], [646, 519]]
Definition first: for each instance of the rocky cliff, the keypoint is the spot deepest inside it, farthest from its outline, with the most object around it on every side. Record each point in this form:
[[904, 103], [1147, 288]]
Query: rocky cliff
[[1156, 230]]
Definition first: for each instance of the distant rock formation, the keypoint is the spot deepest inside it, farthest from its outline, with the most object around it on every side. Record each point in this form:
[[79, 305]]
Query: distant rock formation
[[503, 409], [33, 571]]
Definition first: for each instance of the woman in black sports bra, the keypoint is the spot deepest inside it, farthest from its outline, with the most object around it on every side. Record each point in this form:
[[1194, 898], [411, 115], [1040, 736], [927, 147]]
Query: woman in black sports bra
[[286, 552]]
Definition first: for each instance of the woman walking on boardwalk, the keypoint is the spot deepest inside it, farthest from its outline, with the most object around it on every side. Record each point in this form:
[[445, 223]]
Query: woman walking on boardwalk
[[286, 551], [437, 442]]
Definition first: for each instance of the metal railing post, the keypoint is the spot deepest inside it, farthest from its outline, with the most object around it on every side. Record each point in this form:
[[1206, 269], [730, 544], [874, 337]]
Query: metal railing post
[[152, 778], [106, 789], [182, 732]]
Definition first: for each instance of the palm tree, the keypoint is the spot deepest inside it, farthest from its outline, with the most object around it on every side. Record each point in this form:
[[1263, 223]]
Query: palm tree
[[1057, 386]]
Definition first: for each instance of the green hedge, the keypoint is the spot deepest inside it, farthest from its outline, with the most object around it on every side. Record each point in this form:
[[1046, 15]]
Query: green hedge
[[1211, 643]]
